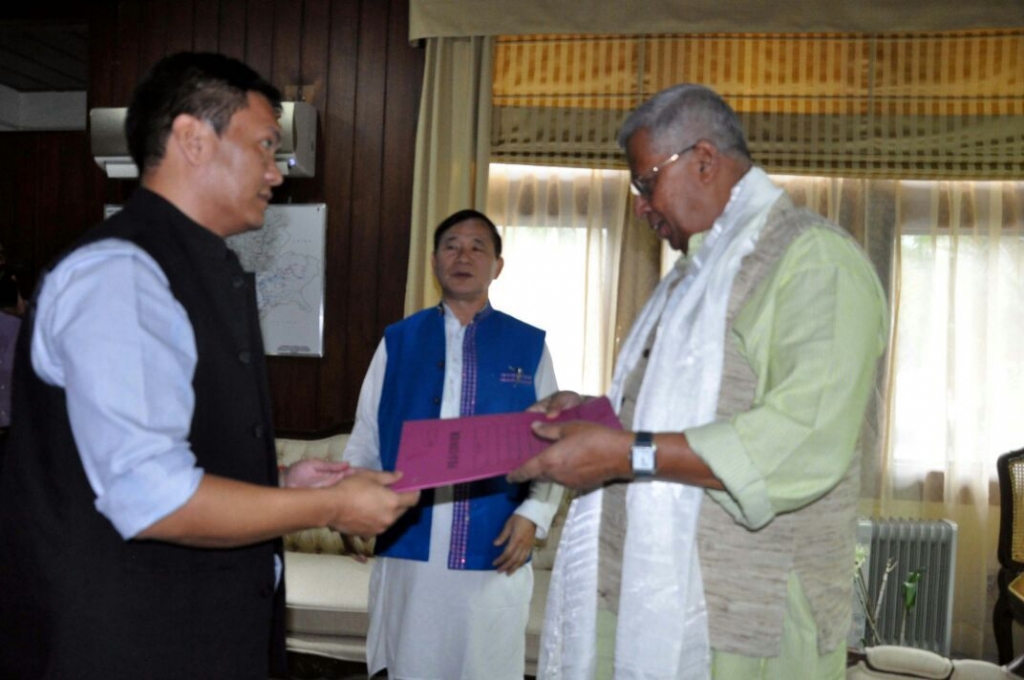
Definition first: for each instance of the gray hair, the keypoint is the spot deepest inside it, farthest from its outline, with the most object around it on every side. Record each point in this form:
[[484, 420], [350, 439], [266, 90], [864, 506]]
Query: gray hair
[[691, 111]]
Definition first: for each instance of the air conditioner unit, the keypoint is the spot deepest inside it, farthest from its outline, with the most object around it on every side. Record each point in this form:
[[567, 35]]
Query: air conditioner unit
[[296, 157]]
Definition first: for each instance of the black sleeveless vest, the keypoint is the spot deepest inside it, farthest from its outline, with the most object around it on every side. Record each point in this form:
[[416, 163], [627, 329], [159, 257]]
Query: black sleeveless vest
[[78, 601]]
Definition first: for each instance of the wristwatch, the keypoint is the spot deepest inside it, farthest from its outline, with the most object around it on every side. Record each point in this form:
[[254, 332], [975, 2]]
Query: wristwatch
[[642, 455]]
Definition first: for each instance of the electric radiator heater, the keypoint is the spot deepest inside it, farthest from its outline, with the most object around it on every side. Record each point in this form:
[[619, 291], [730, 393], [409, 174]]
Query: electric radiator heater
[[911, 545]]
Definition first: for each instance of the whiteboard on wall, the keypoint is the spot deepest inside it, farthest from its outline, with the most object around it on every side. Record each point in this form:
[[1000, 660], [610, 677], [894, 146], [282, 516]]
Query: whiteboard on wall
[[287, 257]]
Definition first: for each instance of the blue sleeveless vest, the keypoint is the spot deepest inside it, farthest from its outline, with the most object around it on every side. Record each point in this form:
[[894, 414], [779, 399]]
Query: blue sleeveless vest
[[500, 356]]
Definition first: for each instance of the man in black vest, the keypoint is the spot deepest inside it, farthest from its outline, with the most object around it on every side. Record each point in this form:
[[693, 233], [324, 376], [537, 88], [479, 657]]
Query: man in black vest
[[140, 506]]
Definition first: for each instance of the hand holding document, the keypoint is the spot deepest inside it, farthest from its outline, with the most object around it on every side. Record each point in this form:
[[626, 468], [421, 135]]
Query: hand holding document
[[452, 450]]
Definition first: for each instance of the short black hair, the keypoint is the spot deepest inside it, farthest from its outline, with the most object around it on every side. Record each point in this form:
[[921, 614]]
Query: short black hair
[[462, 216], [211, 87]]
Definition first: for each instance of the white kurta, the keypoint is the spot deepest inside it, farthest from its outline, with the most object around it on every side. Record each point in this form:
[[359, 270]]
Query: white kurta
[[428, 622]]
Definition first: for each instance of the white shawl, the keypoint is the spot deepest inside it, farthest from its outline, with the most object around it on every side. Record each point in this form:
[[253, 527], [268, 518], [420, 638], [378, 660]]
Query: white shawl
[[662, 622]]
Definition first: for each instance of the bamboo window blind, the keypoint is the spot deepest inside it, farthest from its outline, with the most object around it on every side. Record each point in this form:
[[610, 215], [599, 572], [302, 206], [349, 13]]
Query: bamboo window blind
[[917, 105]]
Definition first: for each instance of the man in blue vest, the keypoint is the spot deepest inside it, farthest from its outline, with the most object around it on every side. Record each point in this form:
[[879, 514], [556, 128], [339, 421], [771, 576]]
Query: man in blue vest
[[450, 593], [140, 506]]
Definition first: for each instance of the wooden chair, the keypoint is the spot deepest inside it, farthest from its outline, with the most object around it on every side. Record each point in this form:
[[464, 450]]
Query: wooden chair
[[1009, 606]]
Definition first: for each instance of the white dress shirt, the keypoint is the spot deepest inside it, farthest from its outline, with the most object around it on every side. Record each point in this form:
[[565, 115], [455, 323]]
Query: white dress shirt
[[109, 331]]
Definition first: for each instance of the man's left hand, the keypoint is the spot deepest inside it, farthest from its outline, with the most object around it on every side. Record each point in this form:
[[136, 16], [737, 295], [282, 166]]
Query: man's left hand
[[314, 473], [517, 536]]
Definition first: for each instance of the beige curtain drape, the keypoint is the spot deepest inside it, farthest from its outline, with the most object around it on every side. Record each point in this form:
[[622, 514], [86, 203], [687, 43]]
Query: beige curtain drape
[[452, 150]]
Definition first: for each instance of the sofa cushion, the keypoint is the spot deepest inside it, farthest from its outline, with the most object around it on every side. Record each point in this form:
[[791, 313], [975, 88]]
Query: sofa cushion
[[327, 594]]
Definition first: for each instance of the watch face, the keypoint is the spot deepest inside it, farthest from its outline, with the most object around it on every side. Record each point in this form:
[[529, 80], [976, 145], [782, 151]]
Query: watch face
[[643, 459]]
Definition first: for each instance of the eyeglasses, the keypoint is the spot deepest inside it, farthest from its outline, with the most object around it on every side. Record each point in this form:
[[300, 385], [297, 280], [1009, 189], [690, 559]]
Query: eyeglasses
[[643, 185]]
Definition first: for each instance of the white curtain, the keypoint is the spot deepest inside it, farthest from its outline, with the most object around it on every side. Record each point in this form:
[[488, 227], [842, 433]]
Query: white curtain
[[958, 397], [561, 230], [956, 364]]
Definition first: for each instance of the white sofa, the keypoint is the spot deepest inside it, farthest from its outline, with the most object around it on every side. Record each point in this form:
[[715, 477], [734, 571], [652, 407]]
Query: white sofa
[[327, 590]]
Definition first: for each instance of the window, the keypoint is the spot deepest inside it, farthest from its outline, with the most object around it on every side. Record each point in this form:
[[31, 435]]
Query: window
[[560, 231], [959, 363], [958, 368]]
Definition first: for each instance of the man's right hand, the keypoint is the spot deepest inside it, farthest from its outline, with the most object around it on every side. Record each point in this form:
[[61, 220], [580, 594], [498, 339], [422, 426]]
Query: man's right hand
[[366, 505]]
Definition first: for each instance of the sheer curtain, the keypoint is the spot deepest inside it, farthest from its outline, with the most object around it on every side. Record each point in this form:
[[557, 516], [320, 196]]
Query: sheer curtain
[[958, 388], [562, 232], [950, 395]]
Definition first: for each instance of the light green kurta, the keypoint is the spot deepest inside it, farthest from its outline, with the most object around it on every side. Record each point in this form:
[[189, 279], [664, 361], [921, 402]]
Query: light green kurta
[[812, 333]]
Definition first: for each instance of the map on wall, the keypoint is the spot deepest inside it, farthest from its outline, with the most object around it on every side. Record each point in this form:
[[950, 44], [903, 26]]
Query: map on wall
[[287, 256]]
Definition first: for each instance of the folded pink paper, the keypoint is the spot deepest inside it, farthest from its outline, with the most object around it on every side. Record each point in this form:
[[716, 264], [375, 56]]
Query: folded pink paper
[[453, 450]]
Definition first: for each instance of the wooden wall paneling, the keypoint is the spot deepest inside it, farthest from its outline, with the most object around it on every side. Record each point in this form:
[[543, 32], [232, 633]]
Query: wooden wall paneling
[[114, 35], [152, 35], [12, 157], [259, 36], [350, 59], [80, 204], [50, 196], [104, 64], [18, 217], [295, 381], [316, 38], [311, 85], [179, 18], [366, 226], [125, 38], [313, 75], [49, 222], [206, 26], [24, 238], [288, 37], [231, 31], [55, 199], [403, 81], [293, 388], [342, 376]]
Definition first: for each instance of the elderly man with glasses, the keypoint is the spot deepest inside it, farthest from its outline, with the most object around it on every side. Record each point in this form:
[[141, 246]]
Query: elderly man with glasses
[[714, 537]]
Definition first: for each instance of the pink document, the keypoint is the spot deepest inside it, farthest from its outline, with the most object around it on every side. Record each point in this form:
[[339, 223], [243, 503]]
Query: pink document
[[452, 450]]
